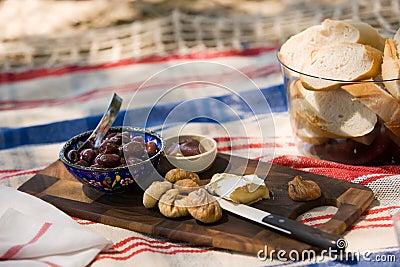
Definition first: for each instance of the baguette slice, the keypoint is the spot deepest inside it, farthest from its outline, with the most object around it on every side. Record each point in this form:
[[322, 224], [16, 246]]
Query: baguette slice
[[354, 32], [376, 99], [380, 102], [306, 131], [391, 67], [293, 52], [340, 62], [336, 114], [297, 48]]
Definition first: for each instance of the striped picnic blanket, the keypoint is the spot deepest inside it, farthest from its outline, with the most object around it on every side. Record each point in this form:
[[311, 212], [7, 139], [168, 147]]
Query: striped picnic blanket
[[239, 100]]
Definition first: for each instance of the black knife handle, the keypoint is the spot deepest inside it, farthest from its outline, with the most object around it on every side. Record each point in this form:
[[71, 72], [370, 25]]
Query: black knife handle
[[306, 234]]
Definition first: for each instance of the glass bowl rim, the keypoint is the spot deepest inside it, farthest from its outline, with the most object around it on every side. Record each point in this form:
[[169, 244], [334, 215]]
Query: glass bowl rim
[[330, 79]]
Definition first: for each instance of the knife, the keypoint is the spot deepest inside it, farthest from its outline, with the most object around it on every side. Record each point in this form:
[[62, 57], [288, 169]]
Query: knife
[[283, 225]]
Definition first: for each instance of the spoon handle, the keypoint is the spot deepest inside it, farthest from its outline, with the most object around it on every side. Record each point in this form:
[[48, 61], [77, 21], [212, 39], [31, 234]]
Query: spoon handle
[[105, 123]]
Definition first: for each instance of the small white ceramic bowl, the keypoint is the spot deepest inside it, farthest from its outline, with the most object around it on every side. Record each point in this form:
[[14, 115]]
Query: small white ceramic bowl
[[197, 163]]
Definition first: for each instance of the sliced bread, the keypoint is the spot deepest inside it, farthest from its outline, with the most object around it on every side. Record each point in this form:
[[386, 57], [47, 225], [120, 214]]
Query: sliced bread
[[336, 114], [380, 102], [377, 99], [352, 31], [298, 47], [391, 67], [330, 64]]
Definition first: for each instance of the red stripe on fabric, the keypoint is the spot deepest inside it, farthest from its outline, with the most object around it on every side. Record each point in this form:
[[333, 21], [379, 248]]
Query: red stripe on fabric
[[85, 222], [246, 146], [7, 171], [15, 249], [154, 246], [228, 138], [19, 173], [382, 218], [370, 226], [137, 252], [82, 221], [333, 169], [8, 77], [385, 225], [372, 179], [329, 216], [317, 218], [378, 210]]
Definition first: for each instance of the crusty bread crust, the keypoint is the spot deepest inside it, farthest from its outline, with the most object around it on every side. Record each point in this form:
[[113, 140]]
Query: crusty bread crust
[[391, 67], [368, 35], [380, 102], [376, 99]]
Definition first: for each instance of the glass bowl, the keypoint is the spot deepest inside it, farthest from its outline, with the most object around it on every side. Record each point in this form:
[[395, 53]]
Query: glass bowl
[[325, 127]]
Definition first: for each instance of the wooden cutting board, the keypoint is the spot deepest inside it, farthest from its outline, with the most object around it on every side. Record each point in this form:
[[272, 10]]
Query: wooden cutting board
[[55, 185]]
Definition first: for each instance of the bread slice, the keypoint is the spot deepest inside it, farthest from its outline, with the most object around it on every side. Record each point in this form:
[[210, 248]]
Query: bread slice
[[379, 101], [293, 52], [307, 132], [353, 31], [335, 114], [297, 48], [330, 64], [391, 67]]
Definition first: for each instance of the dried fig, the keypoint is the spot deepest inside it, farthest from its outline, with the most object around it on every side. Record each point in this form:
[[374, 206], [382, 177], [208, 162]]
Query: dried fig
[[179, 174], [186, 186], [203, 206], [154, 192], [172, 204], [303, 190]]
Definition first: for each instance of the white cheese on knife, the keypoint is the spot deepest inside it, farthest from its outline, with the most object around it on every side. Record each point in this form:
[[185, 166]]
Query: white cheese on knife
[[245, 189]]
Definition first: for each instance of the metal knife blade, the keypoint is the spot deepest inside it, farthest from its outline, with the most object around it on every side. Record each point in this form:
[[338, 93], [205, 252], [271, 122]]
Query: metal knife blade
[[283, 225]]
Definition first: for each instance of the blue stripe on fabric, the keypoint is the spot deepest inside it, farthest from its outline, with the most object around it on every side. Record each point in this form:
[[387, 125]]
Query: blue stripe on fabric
[[64, 130]]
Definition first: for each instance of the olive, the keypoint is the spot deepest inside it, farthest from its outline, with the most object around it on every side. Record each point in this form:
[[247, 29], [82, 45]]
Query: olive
[[88, 155], [126, 137], [116, 139], [151, 148], [108, 160], [139, 139], [112, 149], [109, 136], [134, 149], [73, 155], [81, 162], [86, 145], [108, 147]]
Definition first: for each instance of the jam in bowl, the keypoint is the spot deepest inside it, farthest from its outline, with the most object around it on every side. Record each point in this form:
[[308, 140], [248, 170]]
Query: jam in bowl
[[192, 152]]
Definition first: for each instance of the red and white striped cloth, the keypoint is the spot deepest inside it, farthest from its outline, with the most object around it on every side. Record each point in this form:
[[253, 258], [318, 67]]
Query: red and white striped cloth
[[56, 97]]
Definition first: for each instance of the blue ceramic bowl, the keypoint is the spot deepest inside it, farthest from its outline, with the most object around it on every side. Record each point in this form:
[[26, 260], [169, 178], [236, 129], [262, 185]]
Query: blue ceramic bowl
[[118, 179]]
